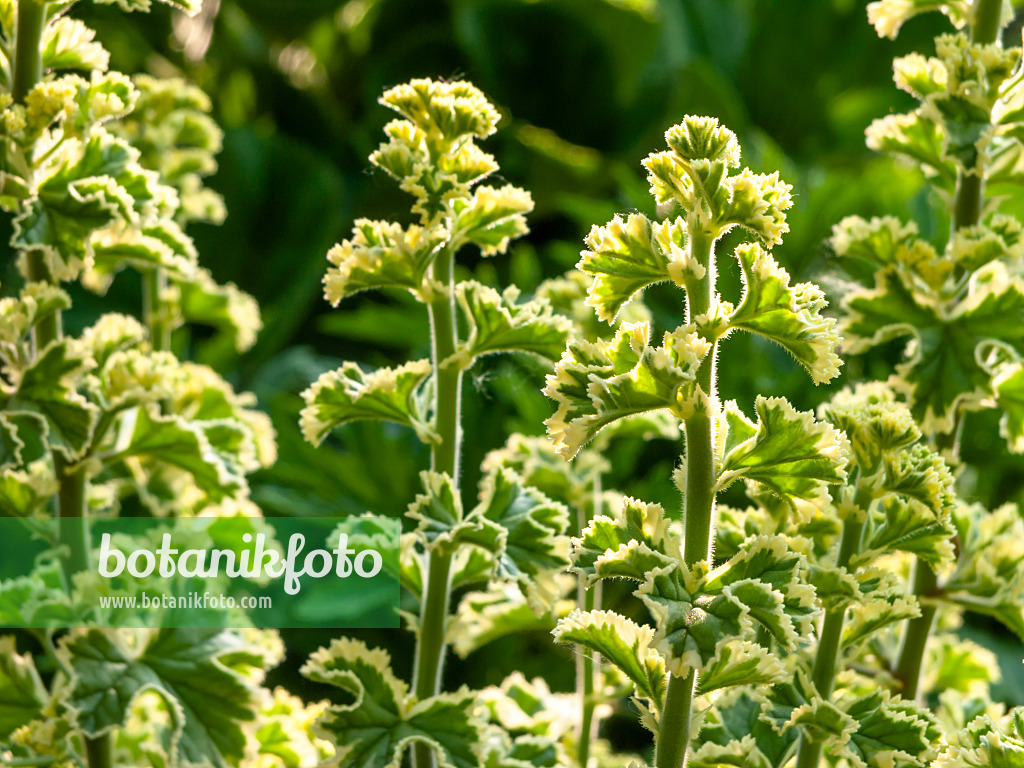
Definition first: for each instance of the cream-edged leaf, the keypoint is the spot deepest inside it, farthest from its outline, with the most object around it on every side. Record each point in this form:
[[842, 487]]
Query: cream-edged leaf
[[623, 643], [596, 383], [788, 315], [498, 322], [350, 394]]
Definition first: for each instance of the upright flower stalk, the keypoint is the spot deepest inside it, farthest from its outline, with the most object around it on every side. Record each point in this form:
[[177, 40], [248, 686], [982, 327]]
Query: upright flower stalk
[[705, 624], [514, 537]]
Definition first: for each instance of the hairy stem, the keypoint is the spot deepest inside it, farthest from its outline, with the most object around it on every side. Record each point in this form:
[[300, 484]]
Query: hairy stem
[[154, 284], [698, 509], [587, 665], [430, 643], [830, 642]]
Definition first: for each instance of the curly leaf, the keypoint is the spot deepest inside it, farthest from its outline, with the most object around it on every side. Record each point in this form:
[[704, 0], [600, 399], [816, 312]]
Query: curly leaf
[[788, 315], [441, 523], [205, 302], [497, 323], [987, 743], [194, 447], [890, 733], [349, 394], [639, 532], [622, 642], [381, 255], [596, 383], [741, 662], [100, 184], [492, 218], [384, 720], [22, 694], [186, 667], [47, 387], [788, 452], [629, 255], [1008, 386]]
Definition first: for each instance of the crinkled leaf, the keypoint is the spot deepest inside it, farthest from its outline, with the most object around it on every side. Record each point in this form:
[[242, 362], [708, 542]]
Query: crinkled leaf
[[492, 217], [622, 642], [349, 394], [944, 372], [186, 667], [890, 733], [186, 445], [734, 726], [498, 323], [441, 523], [70, 44], [1008, 386], [384, 720], [47, 387], [790, 453], [987, 743], [22, 694], [205, 302], [741, 662], [25, 491], [88, 191], [635, 521], [381, 255], [628, 255], [788, 315], [596, 383]]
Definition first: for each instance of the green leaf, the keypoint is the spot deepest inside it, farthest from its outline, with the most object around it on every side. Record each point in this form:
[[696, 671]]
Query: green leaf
[[497, 323], [890, 733], [492, 218], [622, 642], [1008, 386], [888, 16], [70, 44], [741, 662], [381, 255], [483, 617], [24, 491], [788, 315], [627, 256], [790, 453], [441, 524], [944, 371], [286, 730], [987, 743], [534, 541], [174, 441], [989, 574], [384, 720], [232, 311], [734, 726], [22, 694], [907, 525], [915, 138], [696, 613], [36, 302], [186, 667], [596, 383], [639, 532], [349, 394], [89, 190], [191, 7], [47, 387], [447, 109]]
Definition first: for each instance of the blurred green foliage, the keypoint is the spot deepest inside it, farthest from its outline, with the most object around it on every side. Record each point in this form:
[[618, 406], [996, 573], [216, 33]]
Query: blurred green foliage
[[586, 88]]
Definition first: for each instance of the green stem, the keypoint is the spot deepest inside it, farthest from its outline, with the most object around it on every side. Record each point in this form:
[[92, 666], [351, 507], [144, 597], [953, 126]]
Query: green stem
[[698, 511], [154, 285], [430, 643], [587, 665], [99, 751], [28, 50], [830, 642], [985, 28], [915, 637]]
